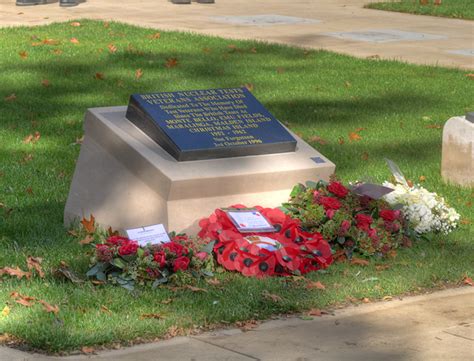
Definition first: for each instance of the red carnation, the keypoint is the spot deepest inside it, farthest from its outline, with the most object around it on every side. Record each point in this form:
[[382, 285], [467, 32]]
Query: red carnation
[[175, 248], [103, 253], [330, 203], [389, 215], [180, 263], [338, 189], [160, 258], [345, 226], [363, 221], [117, 240], [128, 247]]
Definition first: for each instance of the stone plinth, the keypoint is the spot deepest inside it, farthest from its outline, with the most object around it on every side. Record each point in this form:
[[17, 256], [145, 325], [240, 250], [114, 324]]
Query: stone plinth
[[457, 164], [126, 180]]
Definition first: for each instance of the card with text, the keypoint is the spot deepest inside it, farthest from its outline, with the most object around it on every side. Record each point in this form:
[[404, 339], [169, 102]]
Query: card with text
[[249, 220], [154, 234]]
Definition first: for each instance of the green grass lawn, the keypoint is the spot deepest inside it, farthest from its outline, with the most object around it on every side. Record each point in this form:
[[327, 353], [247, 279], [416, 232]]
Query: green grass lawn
[[318, 94], [460, 9]]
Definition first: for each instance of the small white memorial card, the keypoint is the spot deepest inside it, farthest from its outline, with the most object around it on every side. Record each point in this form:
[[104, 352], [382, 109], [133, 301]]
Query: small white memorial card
[[155, 234], [249, 220]]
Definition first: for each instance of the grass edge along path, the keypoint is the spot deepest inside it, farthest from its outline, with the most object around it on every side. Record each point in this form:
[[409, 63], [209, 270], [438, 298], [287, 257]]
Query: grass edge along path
[[457, 9], [52, 74]]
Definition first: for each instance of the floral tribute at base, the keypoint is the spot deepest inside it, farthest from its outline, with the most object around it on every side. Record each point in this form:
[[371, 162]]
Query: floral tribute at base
[[347, 220], [288, 251], [122, 261]]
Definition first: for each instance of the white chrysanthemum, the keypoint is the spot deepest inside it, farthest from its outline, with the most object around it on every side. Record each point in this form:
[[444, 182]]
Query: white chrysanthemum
[[425, 211]]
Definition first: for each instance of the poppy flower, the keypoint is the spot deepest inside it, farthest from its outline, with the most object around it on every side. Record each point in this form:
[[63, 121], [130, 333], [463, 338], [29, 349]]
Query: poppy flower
[[288, 257]]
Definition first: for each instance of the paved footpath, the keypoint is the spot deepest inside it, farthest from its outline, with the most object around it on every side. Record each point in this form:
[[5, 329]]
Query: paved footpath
[[309, 23], [438, 326]]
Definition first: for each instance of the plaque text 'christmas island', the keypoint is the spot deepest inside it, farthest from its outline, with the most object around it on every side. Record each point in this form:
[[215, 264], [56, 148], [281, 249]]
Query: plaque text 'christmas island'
[[206, 124]]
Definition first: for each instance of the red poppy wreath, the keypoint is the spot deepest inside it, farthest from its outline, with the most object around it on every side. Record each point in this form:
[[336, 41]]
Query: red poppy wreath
[[287, 251]]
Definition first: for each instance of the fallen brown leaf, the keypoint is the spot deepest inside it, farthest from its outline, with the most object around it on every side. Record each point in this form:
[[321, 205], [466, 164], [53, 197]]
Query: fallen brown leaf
[[112, 48], [433, 126], [382, 267], [171, 62], [111, 232], [249, 86], [365, 156], [422, 178], [49, 308], [87, 240], [10, 97], [317, 139], [167, 301], [246, 325], [470, 76], [315, 312], [87, 350], [195, 289], [155, 36], [271, 296], [23, 54], [354, 137], [468, 281], [138, 73], [315, 284], [213, 281], [75, 23], [34, 263], [45, 83], [15, 272], [105, 309], [359, 261], [89, 224], [99, 76], [341, 140], [366, 300], [156, 316], [74, 40], [387, 298]]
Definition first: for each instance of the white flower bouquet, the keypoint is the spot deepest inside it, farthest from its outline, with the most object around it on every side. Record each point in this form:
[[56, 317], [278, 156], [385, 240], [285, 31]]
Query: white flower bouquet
[[425, 211]]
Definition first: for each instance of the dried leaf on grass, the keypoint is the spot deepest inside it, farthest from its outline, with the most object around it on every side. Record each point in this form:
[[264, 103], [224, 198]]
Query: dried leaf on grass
[[468, 281], [87, 240], [171, 62], [10, 97], [88, 350], [155, 316], [34, 263], [49, 308], [315, 312], [64, 272], [359, 261], [89, 224], [15, 272], [271, 296], [315, 284], [195, 289], [247, 325]]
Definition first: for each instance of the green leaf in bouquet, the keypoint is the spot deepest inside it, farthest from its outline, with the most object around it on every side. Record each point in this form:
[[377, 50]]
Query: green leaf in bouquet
[[159, 281], [207, 273], [101, 276], [311, 184], [140, 252], [118, 262], [98, 267], [208, 247], [297, 189]]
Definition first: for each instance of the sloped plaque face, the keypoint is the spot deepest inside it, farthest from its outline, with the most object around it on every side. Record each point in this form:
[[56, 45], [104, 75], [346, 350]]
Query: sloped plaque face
[[207, 124]]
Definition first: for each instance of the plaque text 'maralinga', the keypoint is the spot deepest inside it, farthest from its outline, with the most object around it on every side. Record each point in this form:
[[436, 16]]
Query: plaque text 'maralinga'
[[206, 124]]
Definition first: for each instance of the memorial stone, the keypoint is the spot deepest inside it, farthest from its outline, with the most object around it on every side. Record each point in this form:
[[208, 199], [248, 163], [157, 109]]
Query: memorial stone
[[128, 174], [457, 161], [209, 124]]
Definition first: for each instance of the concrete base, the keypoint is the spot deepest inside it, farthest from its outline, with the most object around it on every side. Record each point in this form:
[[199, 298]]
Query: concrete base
[[126, 180], [457, 163]]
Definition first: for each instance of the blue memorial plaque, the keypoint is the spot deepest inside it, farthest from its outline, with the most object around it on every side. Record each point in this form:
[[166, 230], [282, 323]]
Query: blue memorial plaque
[[206, 124]]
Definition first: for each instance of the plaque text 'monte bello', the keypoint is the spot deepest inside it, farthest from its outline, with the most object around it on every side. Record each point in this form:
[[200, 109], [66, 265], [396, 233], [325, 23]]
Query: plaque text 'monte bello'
[[207, 124]]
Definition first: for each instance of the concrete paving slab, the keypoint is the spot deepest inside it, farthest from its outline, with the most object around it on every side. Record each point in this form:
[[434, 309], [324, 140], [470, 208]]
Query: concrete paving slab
[[385, 36], [334, 16], [466, 52], [263, 20], [429, 327]]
